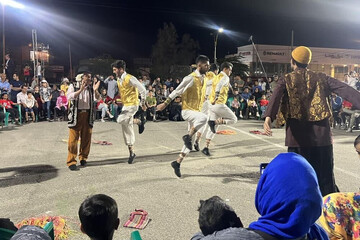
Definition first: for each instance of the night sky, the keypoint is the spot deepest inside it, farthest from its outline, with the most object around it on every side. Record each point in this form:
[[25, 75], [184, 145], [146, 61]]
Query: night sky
[[128, 29]]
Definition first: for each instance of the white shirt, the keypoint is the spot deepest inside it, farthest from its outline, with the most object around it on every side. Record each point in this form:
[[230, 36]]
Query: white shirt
[[224, 81], [209, 87], [352, 82], [21, 97], [187, 82], [38, 70], [30, 102], [135, 83]]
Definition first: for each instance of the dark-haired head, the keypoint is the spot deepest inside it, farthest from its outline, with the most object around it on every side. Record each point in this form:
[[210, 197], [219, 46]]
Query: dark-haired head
[[202, 64], [99, 217], [216, 215], [118, 67], [299, 65], [214, 67]]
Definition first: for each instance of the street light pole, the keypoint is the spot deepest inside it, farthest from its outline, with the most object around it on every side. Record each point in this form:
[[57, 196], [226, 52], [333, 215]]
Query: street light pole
[[220, 30]]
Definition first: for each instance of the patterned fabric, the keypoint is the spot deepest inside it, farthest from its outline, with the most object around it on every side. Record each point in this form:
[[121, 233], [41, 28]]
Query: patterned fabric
[[138, 219], [306, 97], [45, 93], [341, 216]]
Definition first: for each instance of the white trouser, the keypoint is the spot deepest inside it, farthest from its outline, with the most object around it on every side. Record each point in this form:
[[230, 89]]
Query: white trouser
[[126, 119], [104, 108], [195, 120], [206, 129], [222, 111]]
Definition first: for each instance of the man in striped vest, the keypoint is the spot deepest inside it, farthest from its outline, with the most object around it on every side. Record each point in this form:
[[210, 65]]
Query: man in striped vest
[[129, 89], [190, 91]]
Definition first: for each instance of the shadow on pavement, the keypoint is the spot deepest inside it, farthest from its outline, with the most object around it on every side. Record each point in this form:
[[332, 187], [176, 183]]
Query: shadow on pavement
[[166, 157], [250, 177], [27, 175]]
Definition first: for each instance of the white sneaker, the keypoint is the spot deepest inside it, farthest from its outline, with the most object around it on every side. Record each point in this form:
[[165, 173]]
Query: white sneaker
[[111, 116], [102, 120]]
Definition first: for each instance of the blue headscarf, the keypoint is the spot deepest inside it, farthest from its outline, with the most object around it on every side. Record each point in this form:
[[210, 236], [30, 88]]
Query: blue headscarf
[[288, 199]]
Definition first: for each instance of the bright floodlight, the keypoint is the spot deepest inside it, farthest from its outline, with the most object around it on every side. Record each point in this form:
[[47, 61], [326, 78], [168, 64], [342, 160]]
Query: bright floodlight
[[221, 30], [12, 3]]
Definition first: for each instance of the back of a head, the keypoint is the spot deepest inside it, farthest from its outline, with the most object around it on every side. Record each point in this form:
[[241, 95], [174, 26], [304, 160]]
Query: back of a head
[[357, 141], [301, 56], [214, 67], [287, 197], [226, 65], [216, 215], [202, 59], [99, 216], [31, 233]]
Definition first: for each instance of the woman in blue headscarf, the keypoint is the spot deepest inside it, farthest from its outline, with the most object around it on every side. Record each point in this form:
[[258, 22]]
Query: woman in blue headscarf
[[288, 199]]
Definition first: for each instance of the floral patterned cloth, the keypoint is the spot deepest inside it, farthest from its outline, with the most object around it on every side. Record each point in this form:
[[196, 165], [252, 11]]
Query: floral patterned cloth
[[341, 216]]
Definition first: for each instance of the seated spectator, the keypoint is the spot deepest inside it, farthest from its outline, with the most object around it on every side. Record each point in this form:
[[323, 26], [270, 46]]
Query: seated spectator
[[340, 216], [29, 232], [151, 106], [246, 94], [55, 93], [45, 97], [288, 200], [262, 84], [252, 108], [215, 215], [61, 105], [256, 85], [263, 105], [176, 83], [171, 89], [348, 110], [175, 110], [235, 107], [8, 105], [336, 104], [117, 105], [103, 105], [4, 84], [99, 217], [165, 91], [257, 94], [30, 103]]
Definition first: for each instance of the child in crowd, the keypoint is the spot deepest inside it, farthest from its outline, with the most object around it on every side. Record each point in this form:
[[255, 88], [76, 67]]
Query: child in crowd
[[61, 105], [263, 105], [30, 103], [235, 107], [7, 104], [216, 215], [253, 107], [103, 105], [99, 217]]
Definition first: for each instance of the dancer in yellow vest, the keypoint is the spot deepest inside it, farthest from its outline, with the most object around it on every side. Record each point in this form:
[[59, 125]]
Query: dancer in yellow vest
[[205, 95], [129, 89], [190, 91], [219, 112]]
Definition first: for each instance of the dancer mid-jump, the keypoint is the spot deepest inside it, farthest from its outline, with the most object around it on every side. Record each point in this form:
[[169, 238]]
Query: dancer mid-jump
[[190, 91]]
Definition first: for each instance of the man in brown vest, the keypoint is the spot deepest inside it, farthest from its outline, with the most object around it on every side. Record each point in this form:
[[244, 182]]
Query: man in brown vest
[[301, 101]]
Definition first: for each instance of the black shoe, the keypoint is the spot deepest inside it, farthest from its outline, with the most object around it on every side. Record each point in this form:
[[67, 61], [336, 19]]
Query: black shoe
[[131, 158], [176, 166], [196, 146], [83, 163], [187, 141], [206, 151], [212, 126], [142, 123], [73, 167]]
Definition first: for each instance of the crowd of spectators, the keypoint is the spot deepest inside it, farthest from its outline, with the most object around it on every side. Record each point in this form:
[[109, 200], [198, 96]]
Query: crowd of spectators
[[248, 98]]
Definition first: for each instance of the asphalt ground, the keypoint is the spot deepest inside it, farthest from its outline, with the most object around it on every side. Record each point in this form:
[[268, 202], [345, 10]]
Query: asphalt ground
[[35, 181]]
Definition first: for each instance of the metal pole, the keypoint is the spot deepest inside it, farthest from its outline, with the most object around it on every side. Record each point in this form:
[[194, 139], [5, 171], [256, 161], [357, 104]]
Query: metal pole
[[3, 35], [71, 73], [292, 39], [215, 43], [257, 53]]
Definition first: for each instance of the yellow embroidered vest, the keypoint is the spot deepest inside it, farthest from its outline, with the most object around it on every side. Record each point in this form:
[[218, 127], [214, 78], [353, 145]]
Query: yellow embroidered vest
[[129, 94], [306, 97], [223, 95], [209, 76], [192, 96]]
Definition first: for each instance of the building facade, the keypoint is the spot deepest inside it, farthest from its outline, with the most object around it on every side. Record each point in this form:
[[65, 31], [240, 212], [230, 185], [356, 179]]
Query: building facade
[[276, 60]]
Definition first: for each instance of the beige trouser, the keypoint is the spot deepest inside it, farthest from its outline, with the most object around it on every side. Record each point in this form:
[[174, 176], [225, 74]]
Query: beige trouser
[[195, 120], [126, 119]]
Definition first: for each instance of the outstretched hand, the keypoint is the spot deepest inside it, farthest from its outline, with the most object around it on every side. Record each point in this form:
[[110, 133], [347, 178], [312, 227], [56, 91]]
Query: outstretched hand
[[267, 126]]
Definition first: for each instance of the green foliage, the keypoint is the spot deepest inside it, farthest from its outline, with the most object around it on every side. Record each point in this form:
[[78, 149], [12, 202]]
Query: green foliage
[[239, 68], [168, 52]]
